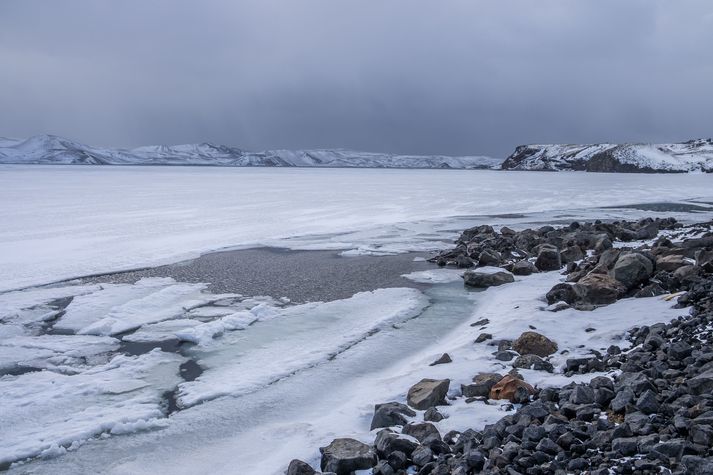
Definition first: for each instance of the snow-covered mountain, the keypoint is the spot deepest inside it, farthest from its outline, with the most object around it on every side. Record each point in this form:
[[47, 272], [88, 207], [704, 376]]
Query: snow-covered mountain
[[694, 155], [50, 149]]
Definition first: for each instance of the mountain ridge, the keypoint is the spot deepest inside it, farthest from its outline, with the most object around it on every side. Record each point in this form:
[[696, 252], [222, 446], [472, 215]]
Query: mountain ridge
[[691, 156], [52, 149]]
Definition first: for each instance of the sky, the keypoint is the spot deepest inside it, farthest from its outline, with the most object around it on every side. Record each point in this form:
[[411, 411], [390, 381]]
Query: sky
[[455, 77]]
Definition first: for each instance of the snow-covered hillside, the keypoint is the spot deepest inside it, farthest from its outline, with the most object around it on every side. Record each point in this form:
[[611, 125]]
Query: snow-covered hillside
[[694, 155], [50, 149]]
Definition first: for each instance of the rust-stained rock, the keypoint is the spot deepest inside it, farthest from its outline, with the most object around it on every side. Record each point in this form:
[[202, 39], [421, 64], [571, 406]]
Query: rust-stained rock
[[513, 389]]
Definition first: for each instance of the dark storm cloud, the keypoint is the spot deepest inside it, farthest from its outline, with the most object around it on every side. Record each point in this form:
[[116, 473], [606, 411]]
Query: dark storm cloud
[[454, 77]]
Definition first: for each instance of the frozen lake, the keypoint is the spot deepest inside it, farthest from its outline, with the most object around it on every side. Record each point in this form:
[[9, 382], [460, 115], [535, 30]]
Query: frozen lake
[[248, 382], [60, 222]]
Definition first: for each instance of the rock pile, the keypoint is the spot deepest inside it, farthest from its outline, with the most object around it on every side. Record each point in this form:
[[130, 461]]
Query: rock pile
[[652, 415]]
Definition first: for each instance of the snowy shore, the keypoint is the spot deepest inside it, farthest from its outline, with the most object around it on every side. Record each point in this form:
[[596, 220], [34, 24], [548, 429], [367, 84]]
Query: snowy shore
[[588, 383], [170, 372]]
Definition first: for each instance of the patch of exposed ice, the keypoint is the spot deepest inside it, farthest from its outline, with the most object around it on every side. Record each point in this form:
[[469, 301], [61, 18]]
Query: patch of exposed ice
[[89, 307], [63, 353], [44, 411], [162, 304], [117, 218], [242, 362], [28, 307], [435, 276], [161, 331]]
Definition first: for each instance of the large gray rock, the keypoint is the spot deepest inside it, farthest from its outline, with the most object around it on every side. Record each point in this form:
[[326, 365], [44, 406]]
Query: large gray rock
[[697, 465], [489, 257], [483, 279], [701, 384], [704, 259], [598, 289], [390, 414], [670, 263], [571, 254], [481, 386], [523, 267], [632, 269], [533, 343], [532, 362], [387, 442], [343, 456], [298, 467], [428, 393], [548, 258], [422, 432]]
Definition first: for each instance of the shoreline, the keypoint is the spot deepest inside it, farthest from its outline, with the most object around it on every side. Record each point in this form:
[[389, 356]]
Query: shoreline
[[631, 412], [461, 408]]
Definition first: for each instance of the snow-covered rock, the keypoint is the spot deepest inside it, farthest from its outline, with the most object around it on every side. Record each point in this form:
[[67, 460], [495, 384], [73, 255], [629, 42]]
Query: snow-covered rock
[[694, 155], [50, 149]]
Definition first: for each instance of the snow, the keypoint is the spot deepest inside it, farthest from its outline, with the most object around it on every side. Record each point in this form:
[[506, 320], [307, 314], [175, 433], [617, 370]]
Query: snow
[[45, 411], [100, 219]]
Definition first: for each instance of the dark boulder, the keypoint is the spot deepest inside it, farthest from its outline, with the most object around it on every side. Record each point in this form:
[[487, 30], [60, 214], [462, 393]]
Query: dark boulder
[[523, 267], [344, 456], [390, 414], [598, 289], [548, 259], [632, 269], [484, 279], [428, 393], [298, 467], [444, 359], [489, 257], [532, 362], [533, 343]]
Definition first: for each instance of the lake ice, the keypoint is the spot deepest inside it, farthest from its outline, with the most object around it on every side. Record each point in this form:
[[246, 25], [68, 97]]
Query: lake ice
[[278, 379]]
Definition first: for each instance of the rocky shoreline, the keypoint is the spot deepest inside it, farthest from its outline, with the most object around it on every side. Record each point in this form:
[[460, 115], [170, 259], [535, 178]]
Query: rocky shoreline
[[648, 408]]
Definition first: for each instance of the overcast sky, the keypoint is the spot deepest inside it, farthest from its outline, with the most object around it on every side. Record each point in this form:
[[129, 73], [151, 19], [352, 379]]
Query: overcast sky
[[451, 77]]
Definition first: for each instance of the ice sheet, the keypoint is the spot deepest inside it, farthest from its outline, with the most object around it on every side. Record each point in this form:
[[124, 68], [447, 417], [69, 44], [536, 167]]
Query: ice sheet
[[64, 353], [259, 432], [160, 304], [98, 219], [44, 412], [244, 362]]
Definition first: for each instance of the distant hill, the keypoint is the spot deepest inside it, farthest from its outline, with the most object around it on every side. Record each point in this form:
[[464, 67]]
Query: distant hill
[[691, 156], [50, 149]]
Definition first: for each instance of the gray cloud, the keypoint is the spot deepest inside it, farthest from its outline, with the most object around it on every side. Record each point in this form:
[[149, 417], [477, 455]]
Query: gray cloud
[[453, 77]]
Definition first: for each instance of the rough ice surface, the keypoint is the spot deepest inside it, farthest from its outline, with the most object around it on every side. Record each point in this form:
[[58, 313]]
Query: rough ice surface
[[161, 304], [279, 380], [161, 331], [99, 219], [247, 361], [86, 309], [268, 422], [44, 412], [62, 353]]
